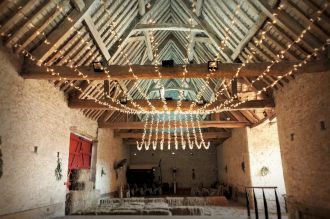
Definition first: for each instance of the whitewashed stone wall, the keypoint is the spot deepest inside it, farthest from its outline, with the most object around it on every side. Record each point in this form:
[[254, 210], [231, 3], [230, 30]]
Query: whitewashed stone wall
[[305, 148], [203, 161], [109, 150], [34, 113], [264, 151]]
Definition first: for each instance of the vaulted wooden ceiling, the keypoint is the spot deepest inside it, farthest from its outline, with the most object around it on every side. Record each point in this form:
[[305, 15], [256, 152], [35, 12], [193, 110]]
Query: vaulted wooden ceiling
[[78, 32]]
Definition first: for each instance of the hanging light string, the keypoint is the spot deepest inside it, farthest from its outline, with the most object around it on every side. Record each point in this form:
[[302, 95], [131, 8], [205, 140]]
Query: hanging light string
[[27, 54], [106, 71], [206, 146], [130, 70], [229, 103], [223, 44], [224, 86], [155, 142], [190, 41], [293, 70], [161, 146], [156, 63], [39, 32], [183, 142], [175, 132], [190, 144], [53, 72], [169, 132], [140, 145], [183, 80], [150, 132], [116, 36], [221, 107], [194, 130], [159, 84], [71, 84]]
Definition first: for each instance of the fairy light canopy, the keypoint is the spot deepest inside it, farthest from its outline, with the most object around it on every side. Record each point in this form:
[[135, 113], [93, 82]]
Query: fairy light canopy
[[190, 32]]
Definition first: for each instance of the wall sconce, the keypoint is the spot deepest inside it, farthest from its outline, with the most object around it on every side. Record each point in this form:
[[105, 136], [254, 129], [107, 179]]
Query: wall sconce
[[292, 136], [264, 171], [213, 65], [98, 67], [102, 172], [264, 113]]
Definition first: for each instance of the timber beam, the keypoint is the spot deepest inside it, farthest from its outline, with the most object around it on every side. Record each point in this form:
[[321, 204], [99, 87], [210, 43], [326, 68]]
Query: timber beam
[[169, 27], [118, 72], [203, 124], [213, 142], [171, 105], [206, 135]]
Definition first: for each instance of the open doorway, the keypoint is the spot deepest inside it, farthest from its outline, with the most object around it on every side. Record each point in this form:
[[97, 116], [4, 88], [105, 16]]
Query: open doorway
[[81, 169]]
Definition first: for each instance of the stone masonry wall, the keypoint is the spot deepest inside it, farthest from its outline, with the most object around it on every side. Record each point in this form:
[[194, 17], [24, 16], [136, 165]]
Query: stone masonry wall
[[231, 154], [109, 150], [301, 106], [257, 147], [264, 151], [33, 113]]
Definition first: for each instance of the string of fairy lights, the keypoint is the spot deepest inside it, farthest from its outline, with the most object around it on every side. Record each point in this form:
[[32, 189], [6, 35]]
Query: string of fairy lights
[[223, 44], [52, 71], [123, 108], [231, 103], [179, 115]]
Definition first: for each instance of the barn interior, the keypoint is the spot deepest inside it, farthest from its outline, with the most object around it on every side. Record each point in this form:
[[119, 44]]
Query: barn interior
[[167, 108]]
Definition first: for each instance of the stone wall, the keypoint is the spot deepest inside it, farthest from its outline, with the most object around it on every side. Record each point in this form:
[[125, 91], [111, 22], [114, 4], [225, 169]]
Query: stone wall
[[301, 106], [231, 154], [203, 161], [257, 147], [264, 151], [109, 150], [85, 196], [34, 114]]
